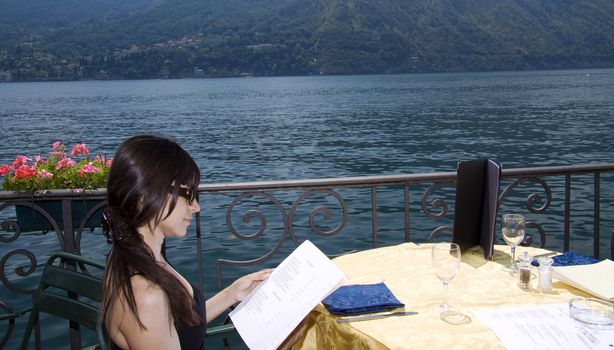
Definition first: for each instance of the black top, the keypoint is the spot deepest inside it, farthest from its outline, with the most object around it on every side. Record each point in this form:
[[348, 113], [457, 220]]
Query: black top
[[190, 337], [193, 337]]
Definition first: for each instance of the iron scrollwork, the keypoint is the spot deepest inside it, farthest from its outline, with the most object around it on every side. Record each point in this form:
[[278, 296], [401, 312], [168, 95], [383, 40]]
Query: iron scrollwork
[[532, 200], [437, 202], [287, 224], [324, 211], [11, 323], [82, 224], [247, 216], [9, 225], [20, 271], [8, 314]]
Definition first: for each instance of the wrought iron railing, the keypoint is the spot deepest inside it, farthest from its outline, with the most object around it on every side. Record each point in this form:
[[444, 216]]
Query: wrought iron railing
[[564, 205]]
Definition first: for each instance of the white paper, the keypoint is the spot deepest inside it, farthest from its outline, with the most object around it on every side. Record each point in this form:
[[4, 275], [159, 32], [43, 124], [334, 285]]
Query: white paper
[[267, 316], [544, 327], [596, 279]]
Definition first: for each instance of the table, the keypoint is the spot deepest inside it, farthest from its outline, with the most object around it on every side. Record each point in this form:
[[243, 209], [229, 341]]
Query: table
[[406, 270]]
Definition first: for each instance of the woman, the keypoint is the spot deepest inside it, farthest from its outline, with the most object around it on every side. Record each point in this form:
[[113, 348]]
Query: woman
[[146, 303]]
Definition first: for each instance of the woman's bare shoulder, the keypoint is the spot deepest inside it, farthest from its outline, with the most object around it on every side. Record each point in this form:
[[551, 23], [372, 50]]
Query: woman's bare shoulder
[[147, 292], [148, 297], [153, 312]]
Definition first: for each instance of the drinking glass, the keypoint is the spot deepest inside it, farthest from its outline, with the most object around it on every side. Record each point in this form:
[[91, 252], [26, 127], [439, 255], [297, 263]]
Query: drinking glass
[[512, 227], [445, 259]]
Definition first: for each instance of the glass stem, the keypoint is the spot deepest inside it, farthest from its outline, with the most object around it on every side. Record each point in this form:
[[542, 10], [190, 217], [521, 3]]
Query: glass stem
[[513, 263], [445, 296]]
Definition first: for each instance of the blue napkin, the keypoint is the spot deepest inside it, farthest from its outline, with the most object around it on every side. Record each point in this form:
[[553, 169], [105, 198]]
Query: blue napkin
[[570, 259], [359, 299]]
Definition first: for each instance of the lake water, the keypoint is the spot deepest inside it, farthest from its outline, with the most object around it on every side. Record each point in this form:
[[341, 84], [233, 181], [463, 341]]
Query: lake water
[[249, 129]]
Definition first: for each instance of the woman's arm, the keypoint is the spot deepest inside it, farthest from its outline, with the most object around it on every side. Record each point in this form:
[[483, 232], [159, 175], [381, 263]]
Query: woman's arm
[[234, 293]]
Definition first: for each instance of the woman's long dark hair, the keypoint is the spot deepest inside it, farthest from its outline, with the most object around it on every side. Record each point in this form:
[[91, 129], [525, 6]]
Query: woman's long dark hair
[[144, 171]]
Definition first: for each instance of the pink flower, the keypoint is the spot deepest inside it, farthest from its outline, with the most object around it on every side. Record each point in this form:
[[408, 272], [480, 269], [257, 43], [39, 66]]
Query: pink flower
[[104, 161], [55, 146], [19, 161], [55, 170], [78, 149], [38, 159], [63, 163], [5, 169], [58, 155], [44, 174], [25, 172], [88, 169]]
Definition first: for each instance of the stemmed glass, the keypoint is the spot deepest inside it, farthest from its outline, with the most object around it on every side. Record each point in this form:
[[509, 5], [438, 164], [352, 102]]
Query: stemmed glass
[[512, 227], [445, 259]]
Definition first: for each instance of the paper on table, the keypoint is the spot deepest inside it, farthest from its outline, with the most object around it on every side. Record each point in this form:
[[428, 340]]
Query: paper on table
[[544, 327], [267, 316], [596, 279]]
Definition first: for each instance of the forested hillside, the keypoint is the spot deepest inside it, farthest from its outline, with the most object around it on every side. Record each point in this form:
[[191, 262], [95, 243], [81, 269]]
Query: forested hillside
[[196, 38]]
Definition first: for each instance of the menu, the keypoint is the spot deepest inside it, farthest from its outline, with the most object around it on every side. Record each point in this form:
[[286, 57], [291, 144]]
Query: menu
[[596, 279], [544, 327], [475, 208], [269, 314]]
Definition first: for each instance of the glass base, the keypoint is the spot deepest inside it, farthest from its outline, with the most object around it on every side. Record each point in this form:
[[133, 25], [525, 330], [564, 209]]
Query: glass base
[[451, 315], [512, 268], [454, 317]]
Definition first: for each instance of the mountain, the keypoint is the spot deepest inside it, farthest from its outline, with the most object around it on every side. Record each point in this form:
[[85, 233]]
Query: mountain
[[59, 13], [80, 39]]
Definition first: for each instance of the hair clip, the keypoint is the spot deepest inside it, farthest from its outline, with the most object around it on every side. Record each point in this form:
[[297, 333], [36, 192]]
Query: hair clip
[[109, 227]]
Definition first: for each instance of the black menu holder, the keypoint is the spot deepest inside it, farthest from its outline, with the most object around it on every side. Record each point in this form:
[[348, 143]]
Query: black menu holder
[[475, 208]]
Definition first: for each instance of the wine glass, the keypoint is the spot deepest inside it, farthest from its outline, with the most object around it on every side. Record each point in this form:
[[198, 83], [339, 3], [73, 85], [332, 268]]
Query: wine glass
[[512, 227], [445, 259]]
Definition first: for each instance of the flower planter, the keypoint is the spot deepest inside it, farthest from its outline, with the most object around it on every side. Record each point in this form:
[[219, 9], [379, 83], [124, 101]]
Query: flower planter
[[30, 220]]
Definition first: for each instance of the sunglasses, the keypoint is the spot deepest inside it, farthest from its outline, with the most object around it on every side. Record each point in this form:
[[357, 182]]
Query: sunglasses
[[188, 193]]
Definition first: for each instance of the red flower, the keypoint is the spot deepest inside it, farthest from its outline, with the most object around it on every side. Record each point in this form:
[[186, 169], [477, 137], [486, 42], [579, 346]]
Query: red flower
[[25, 172], [44, 174], [63, 163], [5, 169], [19, 161], [78, 149], [104, 161], [88, 169], [56, 145]]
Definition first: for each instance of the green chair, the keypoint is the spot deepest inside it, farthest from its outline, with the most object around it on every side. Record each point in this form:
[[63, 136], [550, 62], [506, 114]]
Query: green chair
[[103, 339], [67, 289]]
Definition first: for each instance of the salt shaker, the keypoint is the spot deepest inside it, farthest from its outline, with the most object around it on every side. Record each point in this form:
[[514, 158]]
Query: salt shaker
[[524, 270], [545, 274]]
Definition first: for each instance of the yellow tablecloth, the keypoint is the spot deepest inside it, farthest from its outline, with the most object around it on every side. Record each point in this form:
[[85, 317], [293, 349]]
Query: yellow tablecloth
[[406, 270]]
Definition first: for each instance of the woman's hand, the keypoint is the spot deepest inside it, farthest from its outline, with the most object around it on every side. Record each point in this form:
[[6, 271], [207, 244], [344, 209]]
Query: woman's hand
[[240, 288], [234, 293]]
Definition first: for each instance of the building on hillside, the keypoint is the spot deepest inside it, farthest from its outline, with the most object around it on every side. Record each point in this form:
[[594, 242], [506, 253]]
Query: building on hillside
[[199, 73], [5, 76], [260, 47]]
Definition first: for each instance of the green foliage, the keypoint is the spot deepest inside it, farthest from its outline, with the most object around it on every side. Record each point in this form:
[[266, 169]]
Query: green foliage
[[181, 38], [66, 178], [58, 171]]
